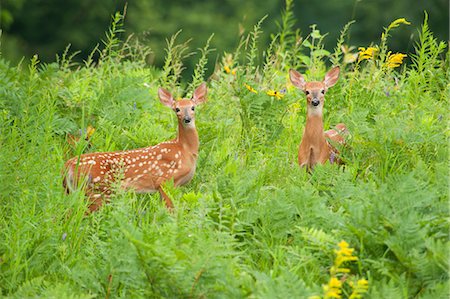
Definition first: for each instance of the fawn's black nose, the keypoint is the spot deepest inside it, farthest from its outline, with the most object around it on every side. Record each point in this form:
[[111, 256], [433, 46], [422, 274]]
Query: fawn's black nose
[[315, 102], [187, 119]]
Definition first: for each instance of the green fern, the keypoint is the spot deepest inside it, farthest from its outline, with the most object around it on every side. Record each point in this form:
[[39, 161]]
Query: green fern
[[200, 68], [336, 56], [251, 223], [173, 65], [427, 49], [252, 47], [112, 40], [65, 62], [317, 238]]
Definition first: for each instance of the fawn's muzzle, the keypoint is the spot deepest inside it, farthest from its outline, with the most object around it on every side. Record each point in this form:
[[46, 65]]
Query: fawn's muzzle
[[315, 102], [187, 119]]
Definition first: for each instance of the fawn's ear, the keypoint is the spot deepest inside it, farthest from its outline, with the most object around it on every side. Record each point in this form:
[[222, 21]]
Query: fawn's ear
[[199, 95], [297, 79], [166, 97], [331, 77]]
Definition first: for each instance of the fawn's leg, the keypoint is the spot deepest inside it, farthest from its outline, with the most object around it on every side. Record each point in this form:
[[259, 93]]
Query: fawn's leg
[[95, 202], [166, 198]]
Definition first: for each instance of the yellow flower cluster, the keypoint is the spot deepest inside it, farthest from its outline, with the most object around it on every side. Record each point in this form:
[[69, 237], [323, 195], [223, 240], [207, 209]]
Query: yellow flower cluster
[[397, 23], [251, 89], [333, 289], [228, 70], [90, 131], [227, 62], [274, 93], [344, 254], [362, 286], [392, 61], [368, 53], [395, 60]]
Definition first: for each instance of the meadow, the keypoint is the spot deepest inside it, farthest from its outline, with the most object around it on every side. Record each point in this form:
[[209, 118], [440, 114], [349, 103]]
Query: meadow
[[251, 223]]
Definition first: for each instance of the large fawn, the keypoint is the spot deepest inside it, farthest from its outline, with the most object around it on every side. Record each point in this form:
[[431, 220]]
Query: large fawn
[[144, 169], [315, 146]]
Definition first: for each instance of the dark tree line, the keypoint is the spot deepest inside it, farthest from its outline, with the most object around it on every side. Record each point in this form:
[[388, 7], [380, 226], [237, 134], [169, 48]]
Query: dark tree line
[[46, 27]]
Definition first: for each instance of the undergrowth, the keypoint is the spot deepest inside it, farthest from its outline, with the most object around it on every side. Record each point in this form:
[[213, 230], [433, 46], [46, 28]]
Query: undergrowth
[[251, 223]]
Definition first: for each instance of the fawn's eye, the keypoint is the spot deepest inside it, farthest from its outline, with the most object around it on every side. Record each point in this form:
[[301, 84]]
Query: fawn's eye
[[323, 91], [177, 109], [307, 92], [192, 108]]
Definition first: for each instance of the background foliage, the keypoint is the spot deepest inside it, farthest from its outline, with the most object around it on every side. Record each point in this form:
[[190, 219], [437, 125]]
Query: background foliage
[[251, 223], [47, 27]]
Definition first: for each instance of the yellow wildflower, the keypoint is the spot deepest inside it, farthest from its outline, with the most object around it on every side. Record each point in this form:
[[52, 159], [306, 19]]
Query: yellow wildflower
[[395, 60], [251, 89], [397, 23], [344, 249], [274, 93], [362, 286], [334, 283], [74, 139], [344, 254], [363, 283], [228, 70], [368, 53], [333, 288], [90, 131], [332, 294]]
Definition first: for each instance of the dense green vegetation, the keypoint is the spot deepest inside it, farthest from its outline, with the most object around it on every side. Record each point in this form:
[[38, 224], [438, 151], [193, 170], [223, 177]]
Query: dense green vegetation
[[251, 223]]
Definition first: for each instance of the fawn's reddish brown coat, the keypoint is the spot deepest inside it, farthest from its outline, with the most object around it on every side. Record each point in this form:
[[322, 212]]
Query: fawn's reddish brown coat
[[314, 147], [144, 169]]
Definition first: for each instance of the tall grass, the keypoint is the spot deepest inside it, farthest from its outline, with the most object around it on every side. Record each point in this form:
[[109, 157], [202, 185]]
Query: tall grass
[[251, 223]]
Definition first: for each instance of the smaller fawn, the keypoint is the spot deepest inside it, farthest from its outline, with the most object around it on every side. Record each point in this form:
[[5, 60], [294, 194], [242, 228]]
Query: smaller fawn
[[315, 146], [143, 170]]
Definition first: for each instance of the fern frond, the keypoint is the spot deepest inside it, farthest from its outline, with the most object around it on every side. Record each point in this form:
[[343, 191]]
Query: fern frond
[[173, 65], [336, 56], [200, 68], [252, 55]]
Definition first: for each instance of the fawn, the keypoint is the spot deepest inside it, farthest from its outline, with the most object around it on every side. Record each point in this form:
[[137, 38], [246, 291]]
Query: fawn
[[144, 169], [315, 146]]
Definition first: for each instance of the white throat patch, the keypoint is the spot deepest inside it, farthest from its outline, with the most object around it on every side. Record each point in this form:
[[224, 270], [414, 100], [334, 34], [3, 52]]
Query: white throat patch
[[315, 110]]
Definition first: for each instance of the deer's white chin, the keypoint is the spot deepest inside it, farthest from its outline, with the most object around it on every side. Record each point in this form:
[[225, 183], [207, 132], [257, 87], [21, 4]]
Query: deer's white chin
[[315, 110], [189, 125]]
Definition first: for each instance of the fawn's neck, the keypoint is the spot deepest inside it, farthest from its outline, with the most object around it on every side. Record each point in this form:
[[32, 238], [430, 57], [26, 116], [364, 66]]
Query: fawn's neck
[[314, 130], [188, 138]]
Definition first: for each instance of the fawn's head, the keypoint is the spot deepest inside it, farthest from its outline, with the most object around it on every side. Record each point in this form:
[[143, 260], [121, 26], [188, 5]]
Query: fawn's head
[[184, 108], [315, 90]]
